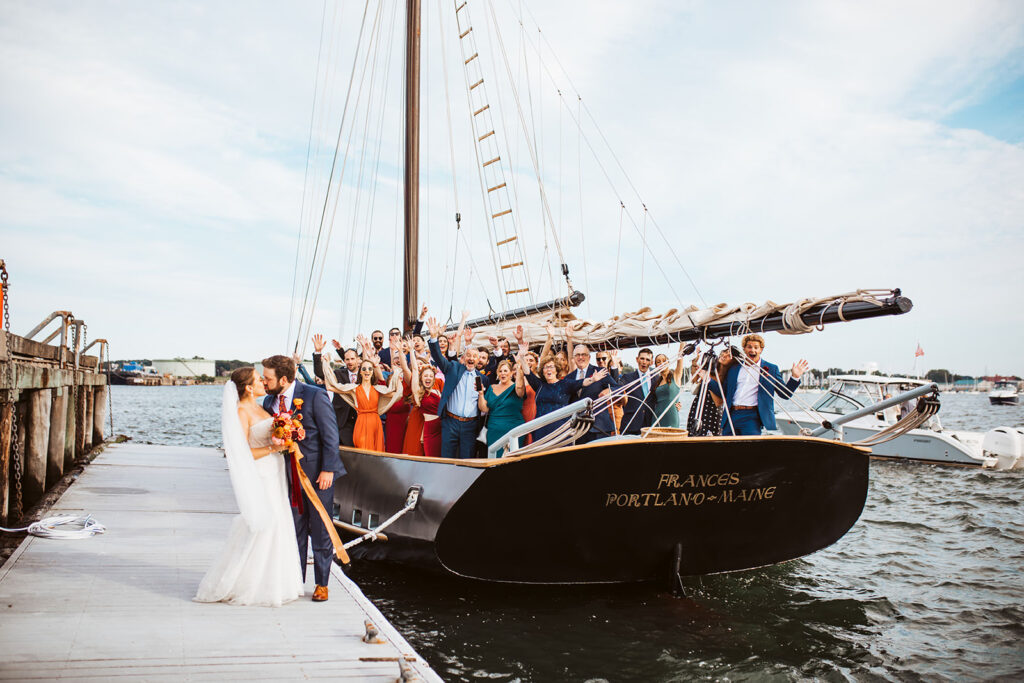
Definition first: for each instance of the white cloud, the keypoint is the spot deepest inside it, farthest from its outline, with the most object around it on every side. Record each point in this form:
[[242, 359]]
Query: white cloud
[[786, 149]]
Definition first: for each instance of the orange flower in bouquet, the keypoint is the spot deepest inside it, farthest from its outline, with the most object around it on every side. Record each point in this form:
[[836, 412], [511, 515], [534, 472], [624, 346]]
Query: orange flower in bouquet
[[287, 428]]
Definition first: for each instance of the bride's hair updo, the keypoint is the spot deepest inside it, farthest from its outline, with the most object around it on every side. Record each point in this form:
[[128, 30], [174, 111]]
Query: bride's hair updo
[[243, 377]]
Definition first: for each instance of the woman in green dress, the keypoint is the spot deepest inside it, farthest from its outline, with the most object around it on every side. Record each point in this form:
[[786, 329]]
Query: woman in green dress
[[666, 396], [503, 401]]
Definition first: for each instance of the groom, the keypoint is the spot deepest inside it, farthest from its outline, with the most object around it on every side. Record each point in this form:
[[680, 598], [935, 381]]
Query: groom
[[321, 460]]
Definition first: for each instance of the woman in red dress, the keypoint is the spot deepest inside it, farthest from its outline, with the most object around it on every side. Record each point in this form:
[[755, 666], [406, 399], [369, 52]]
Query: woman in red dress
[[426, 393]]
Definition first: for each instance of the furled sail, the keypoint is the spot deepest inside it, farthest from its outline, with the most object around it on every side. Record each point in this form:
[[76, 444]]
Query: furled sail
[[647, 327]]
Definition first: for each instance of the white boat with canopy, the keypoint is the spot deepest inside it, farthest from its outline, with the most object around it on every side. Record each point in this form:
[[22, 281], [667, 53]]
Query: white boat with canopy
[[929, 442]]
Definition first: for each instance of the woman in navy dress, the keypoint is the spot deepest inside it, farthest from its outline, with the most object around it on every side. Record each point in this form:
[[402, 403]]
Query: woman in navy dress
[[553, 393]]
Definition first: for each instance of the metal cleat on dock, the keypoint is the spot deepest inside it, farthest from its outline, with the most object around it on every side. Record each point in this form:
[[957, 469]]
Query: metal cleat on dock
[[373, 636]]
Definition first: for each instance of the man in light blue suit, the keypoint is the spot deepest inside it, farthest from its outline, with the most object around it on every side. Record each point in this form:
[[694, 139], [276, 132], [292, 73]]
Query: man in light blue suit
[[750, 390], [458, 408]]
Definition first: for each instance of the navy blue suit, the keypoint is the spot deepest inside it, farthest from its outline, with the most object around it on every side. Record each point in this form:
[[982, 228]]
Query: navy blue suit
[[319, 454], [603, 425], [638, 412], [765, 395]]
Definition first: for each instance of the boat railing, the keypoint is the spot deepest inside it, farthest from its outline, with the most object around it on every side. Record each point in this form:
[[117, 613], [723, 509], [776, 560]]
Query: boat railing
[[502, 443], [830, 425]]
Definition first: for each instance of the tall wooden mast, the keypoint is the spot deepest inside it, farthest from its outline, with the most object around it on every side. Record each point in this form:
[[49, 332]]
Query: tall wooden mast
[[412, 161]]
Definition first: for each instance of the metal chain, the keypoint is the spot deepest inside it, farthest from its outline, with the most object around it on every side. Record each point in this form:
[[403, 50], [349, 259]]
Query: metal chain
[[15, 506], [74, 384]]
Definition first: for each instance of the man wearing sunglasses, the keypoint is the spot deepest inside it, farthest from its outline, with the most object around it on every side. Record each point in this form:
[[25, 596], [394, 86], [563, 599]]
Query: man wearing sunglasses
[[604, 425], [395, 338]]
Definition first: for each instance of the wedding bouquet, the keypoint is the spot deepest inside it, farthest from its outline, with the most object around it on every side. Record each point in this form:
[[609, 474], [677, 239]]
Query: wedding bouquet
[[287, 428]]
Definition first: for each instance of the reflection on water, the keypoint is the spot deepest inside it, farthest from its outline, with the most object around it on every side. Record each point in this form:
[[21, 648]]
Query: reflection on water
[[926, 585]]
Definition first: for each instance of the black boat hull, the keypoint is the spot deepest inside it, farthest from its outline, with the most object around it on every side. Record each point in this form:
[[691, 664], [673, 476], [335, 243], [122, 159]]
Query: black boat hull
[[612, 511], [1003, 400]]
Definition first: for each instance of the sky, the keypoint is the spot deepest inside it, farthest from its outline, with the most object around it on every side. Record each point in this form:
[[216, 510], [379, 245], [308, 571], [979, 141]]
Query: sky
[[163, 166]]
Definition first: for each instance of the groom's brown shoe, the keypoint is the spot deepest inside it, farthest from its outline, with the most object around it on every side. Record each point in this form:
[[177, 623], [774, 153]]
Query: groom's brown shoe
[[320, 594]]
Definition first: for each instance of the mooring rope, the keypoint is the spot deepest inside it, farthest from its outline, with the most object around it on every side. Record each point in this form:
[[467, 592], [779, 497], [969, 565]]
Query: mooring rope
[[56, 527]]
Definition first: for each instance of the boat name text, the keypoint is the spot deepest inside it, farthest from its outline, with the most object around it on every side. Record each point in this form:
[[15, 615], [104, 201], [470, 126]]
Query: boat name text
[[709, 488]]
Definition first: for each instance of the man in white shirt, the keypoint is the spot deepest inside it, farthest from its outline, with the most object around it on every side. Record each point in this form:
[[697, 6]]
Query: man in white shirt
[[750, 388]]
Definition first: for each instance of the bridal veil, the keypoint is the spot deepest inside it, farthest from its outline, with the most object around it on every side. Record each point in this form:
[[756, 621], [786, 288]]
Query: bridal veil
[[241, 466]]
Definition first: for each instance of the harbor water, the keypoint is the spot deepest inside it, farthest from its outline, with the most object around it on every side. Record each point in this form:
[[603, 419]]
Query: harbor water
[[927, 585]]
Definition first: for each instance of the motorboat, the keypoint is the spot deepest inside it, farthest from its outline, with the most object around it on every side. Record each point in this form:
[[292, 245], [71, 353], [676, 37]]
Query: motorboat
[[929, 443], [1004, 392]]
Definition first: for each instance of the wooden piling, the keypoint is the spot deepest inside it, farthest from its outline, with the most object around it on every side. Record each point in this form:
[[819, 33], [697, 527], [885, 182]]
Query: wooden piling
[[69, 429], [58, 431], [6, 420], [37, 442], [90, 411], [80, 417], [99, 417]]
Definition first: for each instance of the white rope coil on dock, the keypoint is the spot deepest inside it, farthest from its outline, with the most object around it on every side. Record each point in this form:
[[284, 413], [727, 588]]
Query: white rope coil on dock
[[63, 527]]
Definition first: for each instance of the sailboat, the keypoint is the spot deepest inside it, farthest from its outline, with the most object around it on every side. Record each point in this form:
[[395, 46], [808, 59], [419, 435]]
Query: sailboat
[[621, 509]]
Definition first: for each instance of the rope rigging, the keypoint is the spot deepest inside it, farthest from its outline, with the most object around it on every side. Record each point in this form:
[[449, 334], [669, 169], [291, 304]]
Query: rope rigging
[[306, 303]]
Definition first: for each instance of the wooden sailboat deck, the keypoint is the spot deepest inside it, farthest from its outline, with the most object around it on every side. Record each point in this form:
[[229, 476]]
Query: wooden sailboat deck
[[119, 604]]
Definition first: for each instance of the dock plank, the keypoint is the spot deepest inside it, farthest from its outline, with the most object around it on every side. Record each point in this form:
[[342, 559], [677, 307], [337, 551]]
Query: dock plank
[[119, 605]]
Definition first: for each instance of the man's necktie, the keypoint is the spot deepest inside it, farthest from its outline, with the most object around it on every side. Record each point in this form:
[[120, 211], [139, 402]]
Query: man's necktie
[[645, 384], [280, 403]]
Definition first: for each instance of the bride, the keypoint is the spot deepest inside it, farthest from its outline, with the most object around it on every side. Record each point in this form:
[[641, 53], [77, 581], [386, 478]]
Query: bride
[[259, 563]]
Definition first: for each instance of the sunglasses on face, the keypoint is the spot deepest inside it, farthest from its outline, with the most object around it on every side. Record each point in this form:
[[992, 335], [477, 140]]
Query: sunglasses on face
[[601, 359], [396, 334], [378, 339]]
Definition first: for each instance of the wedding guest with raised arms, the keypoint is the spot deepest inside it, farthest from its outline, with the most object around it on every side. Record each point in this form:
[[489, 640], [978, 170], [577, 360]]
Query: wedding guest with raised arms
[[750, 388]]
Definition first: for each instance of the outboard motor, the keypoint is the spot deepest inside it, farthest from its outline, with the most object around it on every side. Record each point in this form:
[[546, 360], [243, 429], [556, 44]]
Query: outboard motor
[[1006, 445]]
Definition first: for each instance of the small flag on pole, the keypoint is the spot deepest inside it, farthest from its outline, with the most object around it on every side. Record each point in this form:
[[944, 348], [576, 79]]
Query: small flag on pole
[[919, 352]]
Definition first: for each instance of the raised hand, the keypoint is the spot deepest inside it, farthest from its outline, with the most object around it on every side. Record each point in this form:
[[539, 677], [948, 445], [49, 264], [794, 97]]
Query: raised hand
[[613, 355], [799, 368], [550, 329], [318, 343], [465, 316], [337, 344], [519, 335], [423, 312], [433, 327], [467, 334]]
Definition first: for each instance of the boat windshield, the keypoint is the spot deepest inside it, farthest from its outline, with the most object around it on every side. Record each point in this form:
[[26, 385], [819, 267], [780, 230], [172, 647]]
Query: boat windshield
[[834, 402]]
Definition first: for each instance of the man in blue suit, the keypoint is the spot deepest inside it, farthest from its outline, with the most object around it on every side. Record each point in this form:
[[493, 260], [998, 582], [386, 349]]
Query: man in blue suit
[[458, 408], [603, 425], [321, 460], [638, 411], [750, 390]]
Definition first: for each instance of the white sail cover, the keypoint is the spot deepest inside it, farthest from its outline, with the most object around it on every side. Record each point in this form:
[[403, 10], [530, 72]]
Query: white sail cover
[[645, 323]]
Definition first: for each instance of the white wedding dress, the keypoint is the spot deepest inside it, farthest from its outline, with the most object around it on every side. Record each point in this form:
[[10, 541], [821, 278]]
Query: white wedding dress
[[259, 564]]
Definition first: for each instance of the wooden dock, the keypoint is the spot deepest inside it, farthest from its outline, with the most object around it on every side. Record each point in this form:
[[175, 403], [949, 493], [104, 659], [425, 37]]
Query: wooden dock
[[119, 605]]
